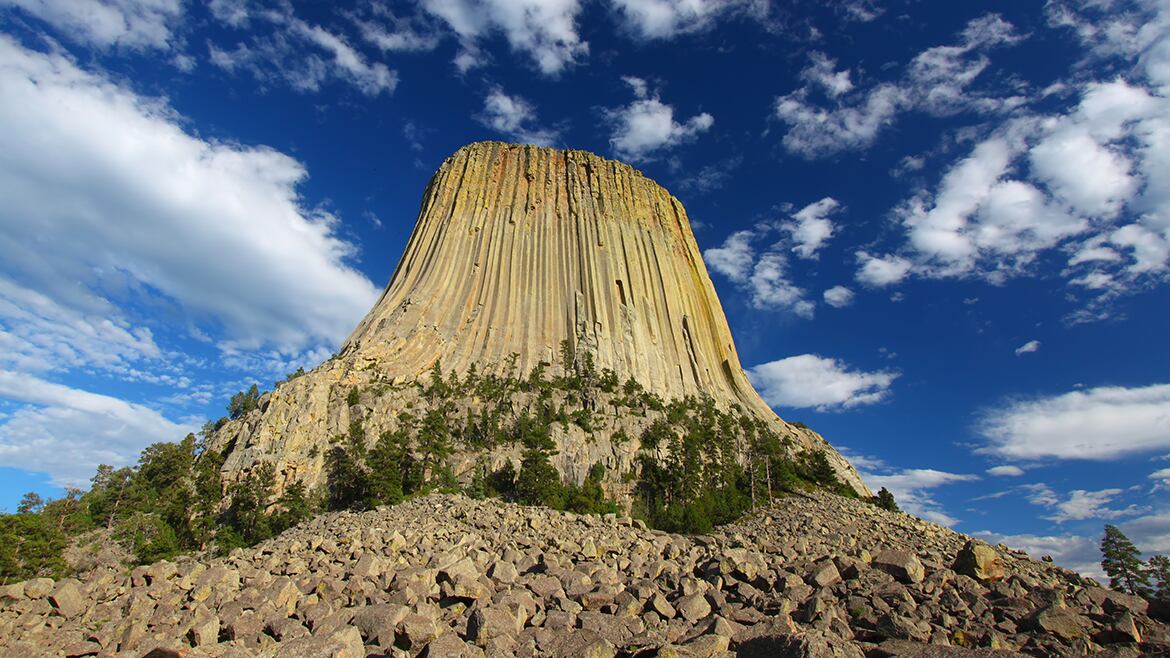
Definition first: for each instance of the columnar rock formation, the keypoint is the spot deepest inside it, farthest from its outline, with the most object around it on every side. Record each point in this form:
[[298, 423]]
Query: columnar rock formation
[[518, 249]]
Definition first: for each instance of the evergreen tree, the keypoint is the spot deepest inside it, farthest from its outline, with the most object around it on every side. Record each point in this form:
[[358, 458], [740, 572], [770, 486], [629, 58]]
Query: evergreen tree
[[1159, 567], [538, 482], [386, 462], [30, 547], [435, 444], [1121, 561], [292, 508], [30, 503], [502, 482], [885, 500], [243, 402], [348, 477]]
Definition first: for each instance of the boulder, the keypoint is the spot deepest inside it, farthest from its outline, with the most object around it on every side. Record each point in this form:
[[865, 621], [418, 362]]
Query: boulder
[[979, 561], [902, 565], [68, 599], [345, 642]]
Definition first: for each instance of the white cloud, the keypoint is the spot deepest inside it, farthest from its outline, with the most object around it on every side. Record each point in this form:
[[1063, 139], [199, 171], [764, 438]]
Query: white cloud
[[1161, 478], [937, 81], [839, 297], [812, 381], [1079, 505], [734, 258], [135, 24], [911, 488], [1084, 180], [67, 432], [135, 207], [38, 334], [665, 19], [881, 271], [811, 227], [815, 132], [646, 126], [393, 33], [1076, 552], [544, 30], [823, 73], [1028, 347], [1097, 424], [1006, 470], [1150, 533], [771, 287], [298, 53], [371, 79], [514, 117]]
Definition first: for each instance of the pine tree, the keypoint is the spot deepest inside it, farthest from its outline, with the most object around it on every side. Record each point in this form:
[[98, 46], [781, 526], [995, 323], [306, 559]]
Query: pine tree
[[1121, 561], [386, 464], [243, 402], [348, 478], [885, 500], [1159, 566]]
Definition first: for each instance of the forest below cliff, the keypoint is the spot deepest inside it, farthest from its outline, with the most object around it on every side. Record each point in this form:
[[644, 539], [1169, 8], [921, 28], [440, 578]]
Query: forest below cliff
[[699, 466]]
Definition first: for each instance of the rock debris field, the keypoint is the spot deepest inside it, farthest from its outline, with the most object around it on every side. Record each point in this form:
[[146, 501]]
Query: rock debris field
[[812, 575]]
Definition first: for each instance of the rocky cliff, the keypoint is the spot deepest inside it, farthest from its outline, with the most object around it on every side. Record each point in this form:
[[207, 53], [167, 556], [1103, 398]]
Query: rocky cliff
[[517, 251]]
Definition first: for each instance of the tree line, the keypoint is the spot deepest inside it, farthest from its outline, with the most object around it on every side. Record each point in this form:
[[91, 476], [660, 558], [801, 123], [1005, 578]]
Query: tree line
[[698, 466]]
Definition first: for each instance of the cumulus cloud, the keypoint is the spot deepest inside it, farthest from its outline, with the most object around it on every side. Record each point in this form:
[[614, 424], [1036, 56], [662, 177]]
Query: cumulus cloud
[[1101, 423], [766, 279], [67, 432], [838, 297], [216, 229], [543, 30], [1006, 470], [1028, 347], [645, 127], [824, 384], [514, 117], [881, 271], [911, 488], [734, 258], [811, 227], [938, 82], [1079, 183], [771, 287], [134, 24]]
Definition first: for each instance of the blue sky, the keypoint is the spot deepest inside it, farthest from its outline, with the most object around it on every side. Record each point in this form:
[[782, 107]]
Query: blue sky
[[941, 231]]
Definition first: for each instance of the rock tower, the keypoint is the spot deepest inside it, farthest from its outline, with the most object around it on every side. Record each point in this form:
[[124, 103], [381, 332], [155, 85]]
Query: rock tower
[[518, 249]]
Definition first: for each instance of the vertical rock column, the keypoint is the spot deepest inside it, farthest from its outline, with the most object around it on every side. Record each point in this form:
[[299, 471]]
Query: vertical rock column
[[518, 248]]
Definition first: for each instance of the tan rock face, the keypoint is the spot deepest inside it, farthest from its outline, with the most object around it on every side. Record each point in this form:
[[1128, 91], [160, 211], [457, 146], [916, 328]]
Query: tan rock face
[[516, 249]]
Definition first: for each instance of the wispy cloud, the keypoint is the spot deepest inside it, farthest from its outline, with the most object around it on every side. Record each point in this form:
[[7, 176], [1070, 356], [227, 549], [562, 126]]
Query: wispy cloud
[[1098, 424]]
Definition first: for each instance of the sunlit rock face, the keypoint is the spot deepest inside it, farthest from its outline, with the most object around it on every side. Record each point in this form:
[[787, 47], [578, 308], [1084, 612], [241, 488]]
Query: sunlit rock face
[[518, 250]]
